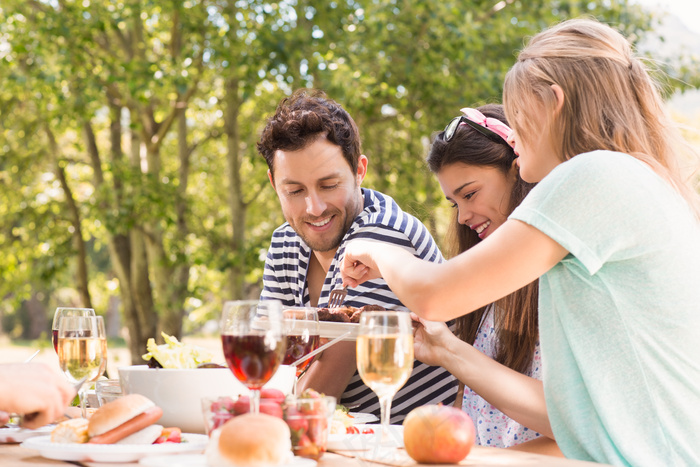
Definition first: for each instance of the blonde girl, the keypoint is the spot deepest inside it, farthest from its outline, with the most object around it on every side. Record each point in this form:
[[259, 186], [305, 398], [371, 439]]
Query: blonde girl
[[613, 234]]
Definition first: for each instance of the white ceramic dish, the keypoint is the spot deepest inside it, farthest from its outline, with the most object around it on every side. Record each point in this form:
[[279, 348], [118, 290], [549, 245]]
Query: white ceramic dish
[[180, 392], [365, 442], [17, 435], [199, 460], [332, 329], [114, 452]]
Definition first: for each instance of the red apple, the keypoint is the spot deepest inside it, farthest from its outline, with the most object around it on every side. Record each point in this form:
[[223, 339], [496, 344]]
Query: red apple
[[438, 434]]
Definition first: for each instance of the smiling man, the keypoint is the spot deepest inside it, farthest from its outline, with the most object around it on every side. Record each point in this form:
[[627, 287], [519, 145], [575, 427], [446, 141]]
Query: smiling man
[[313, 152]]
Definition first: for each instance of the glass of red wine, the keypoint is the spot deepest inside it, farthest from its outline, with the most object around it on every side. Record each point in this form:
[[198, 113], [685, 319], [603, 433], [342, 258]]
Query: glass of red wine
[[253, 340], [302, 330], [66, 311]]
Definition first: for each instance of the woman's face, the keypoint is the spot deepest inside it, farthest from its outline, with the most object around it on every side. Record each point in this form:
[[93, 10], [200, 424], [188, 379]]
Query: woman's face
[[480, 194], [536, 157]]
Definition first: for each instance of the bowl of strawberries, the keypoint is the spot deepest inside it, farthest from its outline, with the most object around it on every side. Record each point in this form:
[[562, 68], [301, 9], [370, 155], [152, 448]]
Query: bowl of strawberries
[[308, 416]]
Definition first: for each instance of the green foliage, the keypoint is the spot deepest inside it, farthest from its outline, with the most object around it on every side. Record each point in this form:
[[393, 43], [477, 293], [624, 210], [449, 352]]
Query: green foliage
[[402, 69]]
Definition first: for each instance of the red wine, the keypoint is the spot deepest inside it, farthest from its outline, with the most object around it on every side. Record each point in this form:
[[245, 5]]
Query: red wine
[[297, 347], [54, 339], [252, 360]]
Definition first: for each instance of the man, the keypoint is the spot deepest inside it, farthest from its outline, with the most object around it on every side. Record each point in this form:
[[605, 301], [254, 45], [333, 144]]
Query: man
[[312, 149]]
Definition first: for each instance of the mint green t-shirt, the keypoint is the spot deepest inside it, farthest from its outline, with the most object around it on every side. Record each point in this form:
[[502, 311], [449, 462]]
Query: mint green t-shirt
[[620, 314]]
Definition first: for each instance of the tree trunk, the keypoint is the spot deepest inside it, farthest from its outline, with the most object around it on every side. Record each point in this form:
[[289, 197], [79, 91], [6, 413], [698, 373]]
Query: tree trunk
[[237, 205], [81, 274]]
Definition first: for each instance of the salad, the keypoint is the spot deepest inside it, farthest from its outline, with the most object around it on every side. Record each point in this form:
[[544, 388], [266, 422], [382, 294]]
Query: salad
[[175, 354]]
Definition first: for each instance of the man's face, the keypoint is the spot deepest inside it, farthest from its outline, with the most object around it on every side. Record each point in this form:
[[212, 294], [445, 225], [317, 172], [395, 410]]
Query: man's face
[[319, 194]]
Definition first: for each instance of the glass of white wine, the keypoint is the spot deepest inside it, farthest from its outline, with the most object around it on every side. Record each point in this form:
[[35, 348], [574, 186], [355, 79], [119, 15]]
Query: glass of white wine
[[82, 349], [385, 357]]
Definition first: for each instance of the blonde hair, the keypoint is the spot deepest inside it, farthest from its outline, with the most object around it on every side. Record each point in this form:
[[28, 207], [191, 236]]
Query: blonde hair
[[610, 99]]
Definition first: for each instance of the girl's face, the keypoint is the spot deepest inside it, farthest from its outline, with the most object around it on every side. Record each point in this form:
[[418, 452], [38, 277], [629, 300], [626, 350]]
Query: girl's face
[[536, 155], [480, 194]]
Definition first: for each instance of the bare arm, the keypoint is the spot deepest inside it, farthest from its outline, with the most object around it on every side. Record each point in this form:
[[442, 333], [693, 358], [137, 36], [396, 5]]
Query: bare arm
[[332, 370], [510, 258], [518, 396]]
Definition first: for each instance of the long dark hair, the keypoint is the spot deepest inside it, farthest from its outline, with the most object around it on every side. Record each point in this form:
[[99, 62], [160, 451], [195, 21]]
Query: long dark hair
[[515, 316]]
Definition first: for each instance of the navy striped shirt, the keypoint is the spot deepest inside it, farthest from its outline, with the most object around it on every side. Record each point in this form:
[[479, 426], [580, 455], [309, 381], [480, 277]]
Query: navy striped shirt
[[284, 279]]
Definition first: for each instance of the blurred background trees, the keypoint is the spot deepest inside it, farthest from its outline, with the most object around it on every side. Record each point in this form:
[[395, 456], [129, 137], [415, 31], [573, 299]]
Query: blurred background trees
[[129, 177]]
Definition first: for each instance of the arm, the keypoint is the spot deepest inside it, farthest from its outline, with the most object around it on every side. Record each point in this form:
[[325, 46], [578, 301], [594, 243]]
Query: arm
[[330, 373], [510, 258], [434, 344], [28, 388]]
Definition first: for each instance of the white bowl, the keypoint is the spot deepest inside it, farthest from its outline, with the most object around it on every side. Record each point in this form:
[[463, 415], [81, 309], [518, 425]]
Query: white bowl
[[179, 392]]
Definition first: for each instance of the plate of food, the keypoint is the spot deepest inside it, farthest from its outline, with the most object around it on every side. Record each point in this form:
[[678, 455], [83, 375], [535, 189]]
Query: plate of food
[[85, 452], [331, 330], [123, 430], [334, 322], [14, 434]]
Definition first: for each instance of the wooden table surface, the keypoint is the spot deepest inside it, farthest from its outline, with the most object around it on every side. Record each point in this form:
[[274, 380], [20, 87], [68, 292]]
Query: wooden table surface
[[16, 455]]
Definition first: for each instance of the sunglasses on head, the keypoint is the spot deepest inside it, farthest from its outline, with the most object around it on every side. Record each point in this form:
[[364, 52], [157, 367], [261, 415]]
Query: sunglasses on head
[[490, 127]]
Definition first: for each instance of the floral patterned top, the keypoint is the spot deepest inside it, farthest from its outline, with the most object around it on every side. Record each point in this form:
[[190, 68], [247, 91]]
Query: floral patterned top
[[493, 428]]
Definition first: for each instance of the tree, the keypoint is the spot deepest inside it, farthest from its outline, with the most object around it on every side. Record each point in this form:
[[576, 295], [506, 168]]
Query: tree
[[129, 130]]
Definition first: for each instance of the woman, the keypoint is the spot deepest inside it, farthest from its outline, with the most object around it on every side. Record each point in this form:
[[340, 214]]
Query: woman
[[612, 232], [476, 169]]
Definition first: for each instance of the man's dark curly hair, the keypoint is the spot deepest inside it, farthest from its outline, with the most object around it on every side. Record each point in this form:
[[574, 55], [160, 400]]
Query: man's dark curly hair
[[302, 118]]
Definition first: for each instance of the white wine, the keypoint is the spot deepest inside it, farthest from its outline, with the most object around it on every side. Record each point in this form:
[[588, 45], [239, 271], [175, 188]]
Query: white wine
[[81, 357], [385, 361]]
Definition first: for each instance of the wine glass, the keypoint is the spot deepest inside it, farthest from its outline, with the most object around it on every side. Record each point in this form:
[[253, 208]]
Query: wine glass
[[385, 356], [303, 337], [66, 311], [252, 336], [82, 348]]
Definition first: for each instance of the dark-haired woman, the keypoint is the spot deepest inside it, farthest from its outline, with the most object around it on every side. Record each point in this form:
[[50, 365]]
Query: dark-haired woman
[[476, 169]]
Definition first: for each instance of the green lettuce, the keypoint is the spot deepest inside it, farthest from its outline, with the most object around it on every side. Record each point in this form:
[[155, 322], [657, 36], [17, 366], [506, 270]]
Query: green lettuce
[[175, 354]]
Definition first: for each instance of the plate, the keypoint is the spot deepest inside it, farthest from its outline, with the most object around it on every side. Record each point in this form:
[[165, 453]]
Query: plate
[[200, 460], [17, 435], [332, 329], [359, 418], [365, 442], [113, 452]]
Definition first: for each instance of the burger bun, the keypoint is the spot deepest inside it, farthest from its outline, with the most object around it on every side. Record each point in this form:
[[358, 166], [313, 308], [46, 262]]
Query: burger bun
[[250, 440]]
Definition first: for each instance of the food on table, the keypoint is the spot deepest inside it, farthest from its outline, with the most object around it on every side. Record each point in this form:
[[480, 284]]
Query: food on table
[[74, 430], [123, 417], [308, 417], [345, 314], [169, 435], [225, 408], [437, 434], [252, 440], [175, 354], [343, 423], [127, 420]]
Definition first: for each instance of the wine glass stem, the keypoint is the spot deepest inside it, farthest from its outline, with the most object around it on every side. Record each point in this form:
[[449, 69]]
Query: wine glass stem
[[81, 396], [255, 401], [385, 407]]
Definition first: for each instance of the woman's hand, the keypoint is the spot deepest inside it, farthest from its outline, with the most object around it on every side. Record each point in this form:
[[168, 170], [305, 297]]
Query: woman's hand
[[358, 263], [430, 341]]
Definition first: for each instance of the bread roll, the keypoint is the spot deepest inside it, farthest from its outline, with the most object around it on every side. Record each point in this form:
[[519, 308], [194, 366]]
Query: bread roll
[[74, 430], [251, 440]]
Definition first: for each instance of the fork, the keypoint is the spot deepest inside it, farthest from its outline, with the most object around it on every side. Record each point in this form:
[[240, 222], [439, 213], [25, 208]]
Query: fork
[[337, 297]]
